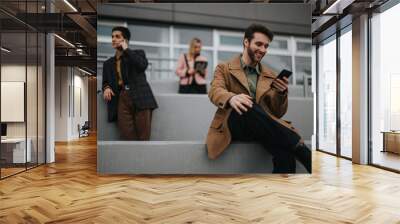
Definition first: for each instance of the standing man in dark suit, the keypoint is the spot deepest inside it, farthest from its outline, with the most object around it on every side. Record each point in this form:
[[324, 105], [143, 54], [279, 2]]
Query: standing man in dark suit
[[129, 98]]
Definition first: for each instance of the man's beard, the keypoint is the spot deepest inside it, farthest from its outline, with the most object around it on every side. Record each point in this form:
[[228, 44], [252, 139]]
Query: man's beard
[[252, 56]]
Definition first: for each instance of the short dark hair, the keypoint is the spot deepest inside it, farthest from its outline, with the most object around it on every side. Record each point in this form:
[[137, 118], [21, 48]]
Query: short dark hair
[[254, 28], [125, 31]]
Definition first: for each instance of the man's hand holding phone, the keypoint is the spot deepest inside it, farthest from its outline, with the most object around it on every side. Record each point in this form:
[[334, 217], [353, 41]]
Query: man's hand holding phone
[[123, 45], [241, 102], [281, 83]]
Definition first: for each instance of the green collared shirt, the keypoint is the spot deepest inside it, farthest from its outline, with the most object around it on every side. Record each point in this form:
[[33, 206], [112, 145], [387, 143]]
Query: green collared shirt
[[252, 74]]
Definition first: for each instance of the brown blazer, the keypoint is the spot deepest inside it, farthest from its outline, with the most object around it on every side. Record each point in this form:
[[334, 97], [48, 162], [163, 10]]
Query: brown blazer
[[229, 80]]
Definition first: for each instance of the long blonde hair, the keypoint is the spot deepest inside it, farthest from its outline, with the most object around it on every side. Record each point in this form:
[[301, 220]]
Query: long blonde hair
[[191, 46]]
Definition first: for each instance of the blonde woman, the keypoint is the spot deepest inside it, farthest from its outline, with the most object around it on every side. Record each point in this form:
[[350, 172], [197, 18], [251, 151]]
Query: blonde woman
[[192, 70]]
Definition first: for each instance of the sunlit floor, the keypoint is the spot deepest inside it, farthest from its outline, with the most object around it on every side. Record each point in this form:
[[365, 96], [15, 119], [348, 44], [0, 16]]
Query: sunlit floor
[[386, 159]]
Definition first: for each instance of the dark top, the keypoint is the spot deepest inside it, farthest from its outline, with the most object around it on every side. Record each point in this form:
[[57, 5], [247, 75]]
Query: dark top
[[133, 65]]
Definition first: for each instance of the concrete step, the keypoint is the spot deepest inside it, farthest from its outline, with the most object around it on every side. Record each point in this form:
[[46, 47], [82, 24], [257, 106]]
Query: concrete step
[[167, 86], [181, 157], [178, 136], [172, 86], [186, 117]]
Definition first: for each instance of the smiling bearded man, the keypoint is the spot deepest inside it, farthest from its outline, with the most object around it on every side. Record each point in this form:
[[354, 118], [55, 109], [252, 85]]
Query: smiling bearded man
[[251, 102]]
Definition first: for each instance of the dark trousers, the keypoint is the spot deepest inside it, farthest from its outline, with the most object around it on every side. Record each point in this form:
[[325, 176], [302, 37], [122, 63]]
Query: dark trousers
[[193, 88], [256, 125], [133, 124]]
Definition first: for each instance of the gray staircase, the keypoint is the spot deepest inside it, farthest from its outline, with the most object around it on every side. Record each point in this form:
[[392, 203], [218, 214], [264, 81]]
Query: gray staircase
[[177, 145]]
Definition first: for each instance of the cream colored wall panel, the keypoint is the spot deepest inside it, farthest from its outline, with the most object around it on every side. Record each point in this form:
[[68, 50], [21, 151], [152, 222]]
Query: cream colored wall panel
[[12, 101]]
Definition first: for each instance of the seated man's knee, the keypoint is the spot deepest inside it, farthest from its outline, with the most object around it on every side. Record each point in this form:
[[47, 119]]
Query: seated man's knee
[[255, 109]]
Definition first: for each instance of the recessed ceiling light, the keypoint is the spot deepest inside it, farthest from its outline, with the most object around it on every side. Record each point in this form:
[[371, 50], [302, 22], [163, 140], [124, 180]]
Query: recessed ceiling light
[[5, 49], [64, 40], [86, 72], [337, 7], [70, 5]]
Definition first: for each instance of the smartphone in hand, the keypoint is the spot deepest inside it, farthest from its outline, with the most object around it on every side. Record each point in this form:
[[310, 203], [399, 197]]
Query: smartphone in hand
[[284, 73]]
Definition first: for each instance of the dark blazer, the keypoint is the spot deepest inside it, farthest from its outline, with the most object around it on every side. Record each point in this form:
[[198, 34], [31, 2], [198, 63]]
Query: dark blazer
[[133, 66]]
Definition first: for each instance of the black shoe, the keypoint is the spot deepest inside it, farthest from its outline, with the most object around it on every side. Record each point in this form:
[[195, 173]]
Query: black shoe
[[303, 155]]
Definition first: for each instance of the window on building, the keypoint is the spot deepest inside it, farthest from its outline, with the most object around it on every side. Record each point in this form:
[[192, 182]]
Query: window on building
[[327, 96], [385, 89], [346, 93], [165, 43]]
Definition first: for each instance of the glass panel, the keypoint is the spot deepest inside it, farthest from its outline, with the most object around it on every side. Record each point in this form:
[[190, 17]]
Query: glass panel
[[346, 94], [303, 46], [104, 30], [279, 44], [32, 7], [303, 69], [327, 97], [31, 99], [278, 62], [158, 58], [231, 40], [13, 72], [226, 55], [385, 89], [105, 49], [8, 24], [205, 53], [158, 34], [183, 35], [23, 59]]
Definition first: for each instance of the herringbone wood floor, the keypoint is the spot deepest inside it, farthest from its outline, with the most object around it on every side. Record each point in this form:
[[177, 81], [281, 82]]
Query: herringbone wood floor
[[70, 191]]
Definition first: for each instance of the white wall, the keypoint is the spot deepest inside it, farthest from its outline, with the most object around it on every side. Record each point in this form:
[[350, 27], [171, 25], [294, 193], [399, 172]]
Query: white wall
[[61, 103], [16, 73], [80, 83], [69, 85]]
